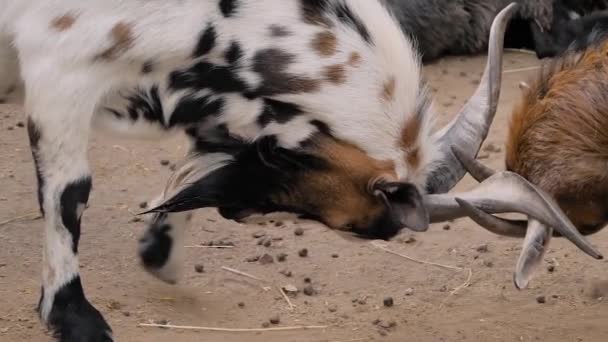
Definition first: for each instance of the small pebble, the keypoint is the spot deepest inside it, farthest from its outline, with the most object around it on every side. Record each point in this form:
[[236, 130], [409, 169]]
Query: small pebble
[[541, 299], [275, 320], [281, 257], [483, 248], [488, 263], [265, 325], [409, 292], [241, 305], [20, 124], [335, 256], [279, 224], [266, 259], [551, 268], [299, 231], [410, 240], [253, 259], [308, 290], [258, 235], [164, 162], [199, 268], [388, 302], [303, 252], [307, 280], [332, 308], [463, 74], [135, 220], [126, 313], [143, 205], [10, 128], [286, 273], [290, 289], [447, 227], [362, 301]]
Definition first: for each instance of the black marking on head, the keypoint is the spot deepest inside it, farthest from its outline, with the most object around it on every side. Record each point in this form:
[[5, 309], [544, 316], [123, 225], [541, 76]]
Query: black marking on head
[[278, 31], [260, 171], [218, 140], [314, 12], [272, 66], [278, 111], [155, 246], [234, 53], [34, 135], [228, 7], [204, 75], [74, 194], [190, 109], [147, 67], [206, 42], [73, 318], [346, 15], [323, 129]]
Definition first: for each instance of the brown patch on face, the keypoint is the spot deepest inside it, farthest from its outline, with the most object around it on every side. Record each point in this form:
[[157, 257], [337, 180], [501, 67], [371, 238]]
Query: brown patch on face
[[413, 158], [122, 40], [335, 74], [325, 44], [340, 194], [354, 60], [272, 65], [63, 22], [388, 90], [409, 142]]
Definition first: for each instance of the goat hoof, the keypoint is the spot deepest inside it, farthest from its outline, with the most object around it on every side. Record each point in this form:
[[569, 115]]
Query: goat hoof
[[79, 321]]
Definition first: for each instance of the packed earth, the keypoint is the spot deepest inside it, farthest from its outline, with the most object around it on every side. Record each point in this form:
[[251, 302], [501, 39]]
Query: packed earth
[[451, 283]]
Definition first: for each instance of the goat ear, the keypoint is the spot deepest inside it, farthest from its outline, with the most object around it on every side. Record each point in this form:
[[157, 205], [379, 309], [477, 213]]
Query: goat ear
[[404, 203]]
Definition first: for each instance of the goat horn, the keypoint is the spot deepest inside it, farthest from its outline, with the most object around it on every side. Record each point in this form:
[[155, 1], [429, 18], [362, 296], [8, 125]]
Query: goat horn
[[509, 192], [470, 127], [534, 248], [476, 169], [496, 225]]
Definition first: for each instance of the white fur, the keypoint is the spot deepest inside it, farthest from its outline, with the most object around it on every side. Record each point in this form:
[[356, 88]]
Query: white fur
[[67, 92]]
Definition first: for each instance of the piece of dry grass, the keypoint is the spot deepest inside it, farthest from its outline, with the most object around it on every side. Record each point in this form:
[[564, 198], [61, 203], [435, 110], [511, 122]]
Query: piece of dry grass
[[455, 290], [31, 216], [511, 71], [178, 327]]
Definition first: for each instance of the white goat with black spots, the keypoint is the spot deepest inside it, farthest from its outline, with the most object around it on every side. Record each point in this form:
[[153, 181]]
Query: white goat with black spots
[[315, 107]]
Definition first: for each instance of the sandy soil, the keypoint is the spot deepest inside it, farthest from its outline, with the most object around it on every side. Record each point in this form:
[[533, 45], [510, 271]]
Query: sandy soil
[[350, 278]]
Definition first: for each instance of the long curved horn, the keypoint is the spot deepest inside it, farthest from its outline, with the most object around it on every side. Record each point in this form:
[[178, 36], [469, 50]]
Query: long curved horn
[[470, 127], [507, 192], [534, 248], [476, 169], [496, 225]]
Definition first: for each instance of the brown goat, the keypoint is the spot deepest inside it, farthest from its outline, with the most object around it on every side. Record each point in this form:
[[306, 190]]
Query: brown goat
[[558, 141]]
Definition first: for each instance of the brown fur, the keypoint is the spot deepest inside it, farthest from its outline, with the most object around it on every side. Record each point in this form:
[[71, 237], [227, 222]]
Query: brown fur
[[388, 90], [354, 60], [122, 40], [325, 44], [63, 22], [558, 137], [341, 203], [335, 74]]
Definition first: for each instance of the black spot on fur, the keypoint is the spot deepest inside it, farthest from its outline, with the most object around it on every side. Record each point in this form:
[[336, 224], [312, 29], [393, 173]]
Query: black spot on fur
[[204, 75], [278, 31], [218, 140], [190, 110], [73, 318], [321, 126], [156, 244], [346, 16], [228, 7], [147, 67], [74, 194], [259, 172], [206, 42], [143, 104], [314, 12], [278, 111], [271, 65], [34, 135], [234, 53]]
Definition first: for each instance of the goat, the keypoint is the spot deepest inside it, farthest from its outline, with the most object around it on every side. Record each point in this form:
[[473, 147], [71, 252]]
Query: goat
[[314, 107], [557, 141], [548, 27]]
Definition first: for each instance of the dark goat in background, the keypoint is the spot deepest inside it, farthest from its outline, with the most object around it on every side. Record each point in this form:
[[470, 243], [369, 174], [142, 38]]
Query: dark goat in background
[[446, 27]]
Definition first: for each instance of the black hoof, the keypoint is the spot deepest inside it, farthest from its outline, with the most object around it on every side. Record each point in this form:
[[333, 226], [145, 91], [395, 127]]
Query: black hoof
[[73, 318]]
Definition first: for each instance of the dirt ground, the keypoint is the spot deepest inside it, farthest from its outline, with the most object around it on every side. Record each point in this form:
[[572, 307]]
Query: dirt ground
[[350, 278]]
